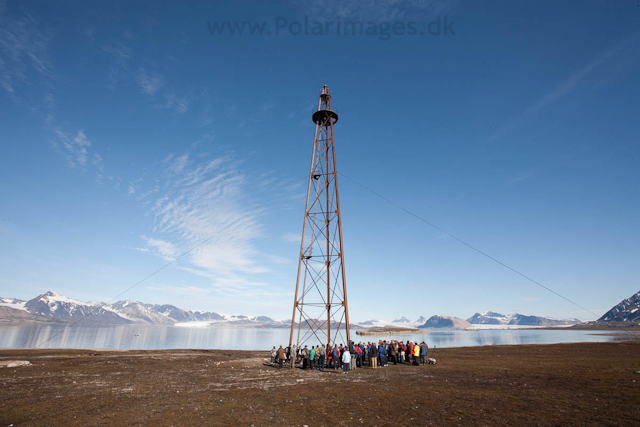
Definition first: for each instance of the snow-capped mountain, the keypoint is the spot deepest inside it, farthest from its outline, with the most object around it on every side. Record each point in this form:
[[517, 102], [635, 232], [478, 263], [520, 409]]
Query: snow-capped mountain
[[138, 312], [13, 310], [58, 308], [493, 318], [263, 319], [166, 314], [402, 322], [446, 322], [628, 310], [180, 315], [61, 308], [17, 304], [488, 318]]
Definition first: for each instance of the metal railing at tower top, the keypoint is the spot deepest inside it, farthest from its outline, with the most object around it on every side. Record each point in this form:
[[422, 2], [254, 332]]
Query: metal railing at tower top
[[316, 108], [324, 108], [323, 115]]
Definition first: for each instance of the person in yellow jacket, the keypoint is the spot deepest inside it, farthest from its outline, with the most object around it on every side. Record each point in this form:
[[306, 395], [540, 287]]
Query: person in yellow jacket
[[416, 354]]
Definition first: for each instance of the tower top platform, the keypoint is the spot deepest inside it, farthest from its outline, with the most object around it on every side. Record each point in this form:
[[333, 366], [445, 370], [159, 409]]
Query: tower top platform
[[325, 115]]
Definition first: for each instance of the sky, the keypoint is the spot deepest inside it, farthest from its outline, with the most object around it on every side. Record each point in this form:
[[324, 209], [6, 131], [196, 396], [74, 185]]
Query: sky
[[146, 136]]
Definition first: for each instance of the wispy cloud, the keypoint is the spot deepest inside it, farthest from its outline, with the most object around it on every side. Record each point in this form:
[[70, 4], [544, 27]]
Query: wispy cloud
[[120, 52], [192, 291], [141, 249], [99, 165], [177, 104], [207, 213], [149, 83], [206, 115], [79, 152], [266, 106], [165, 94], [166, 250], [275, 259], [605, 59], [121, 55], [145, 195], [292, 237], [236, 287], [134, 185], [203, 199], [75, 149], [233, 289], [23, 47], [24, 54], [377, 10]]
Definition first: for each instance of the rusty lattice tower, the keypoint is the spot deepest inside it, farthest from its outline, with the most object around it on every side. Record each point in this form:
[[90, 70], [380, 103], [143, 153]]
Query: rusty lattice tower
[[320, 307]]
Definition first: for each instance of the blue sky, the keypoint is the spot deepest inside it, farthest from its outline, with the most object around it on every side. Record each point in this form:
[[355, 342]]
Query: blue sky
[[129, 133]]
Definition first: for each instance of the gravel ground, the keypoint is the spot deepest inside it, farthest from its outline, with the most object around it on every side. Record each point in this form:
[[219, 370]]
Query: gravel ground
[[562, 384]]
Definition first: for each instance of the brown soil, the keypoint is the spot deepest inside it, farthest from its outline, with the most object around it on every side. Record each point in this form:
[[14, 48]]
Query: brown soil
[[562, 384]]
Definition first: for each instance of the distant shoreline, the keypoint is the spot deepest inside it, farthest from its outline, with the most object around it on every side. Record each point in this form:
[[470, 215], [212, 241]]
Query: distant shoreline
[[601, 327], [392, 331]]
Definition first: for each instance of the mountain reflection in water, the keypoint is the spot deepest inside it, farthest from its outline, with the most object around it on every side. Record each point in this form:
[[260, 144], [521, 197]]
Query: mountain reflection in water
[[124, 337]]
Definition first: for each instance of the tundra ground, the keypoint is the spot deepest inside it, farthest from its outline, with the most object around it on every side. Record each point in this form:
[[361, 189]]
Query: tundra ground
[[594, 384]]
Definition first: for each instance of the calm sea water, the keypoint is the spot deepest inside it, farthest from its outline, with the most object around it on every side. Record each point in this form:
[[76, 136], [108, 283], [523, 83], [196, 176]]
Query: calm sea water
[[171, 337]]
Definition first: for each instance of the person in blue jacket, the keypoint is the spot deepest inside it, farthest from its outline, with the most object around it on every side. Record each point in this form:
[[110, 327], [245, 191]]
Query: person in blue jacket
[[384, 352]]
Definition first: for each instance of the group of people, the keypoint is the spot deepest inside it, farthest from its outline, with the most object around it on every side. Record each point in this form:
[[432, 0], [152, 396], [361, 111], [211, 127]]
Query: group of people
[[353, 356]]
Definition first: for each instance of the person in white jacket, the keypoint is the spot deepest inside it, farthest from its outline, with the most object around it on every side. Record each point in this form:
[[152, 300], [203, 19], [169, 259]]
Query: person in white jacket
[[346, 360]]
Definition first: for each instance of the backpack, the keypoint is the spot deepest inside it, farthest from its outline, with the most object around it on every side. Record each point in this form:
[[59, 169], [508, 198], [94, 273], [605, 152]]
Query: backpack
[[431, 361]]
